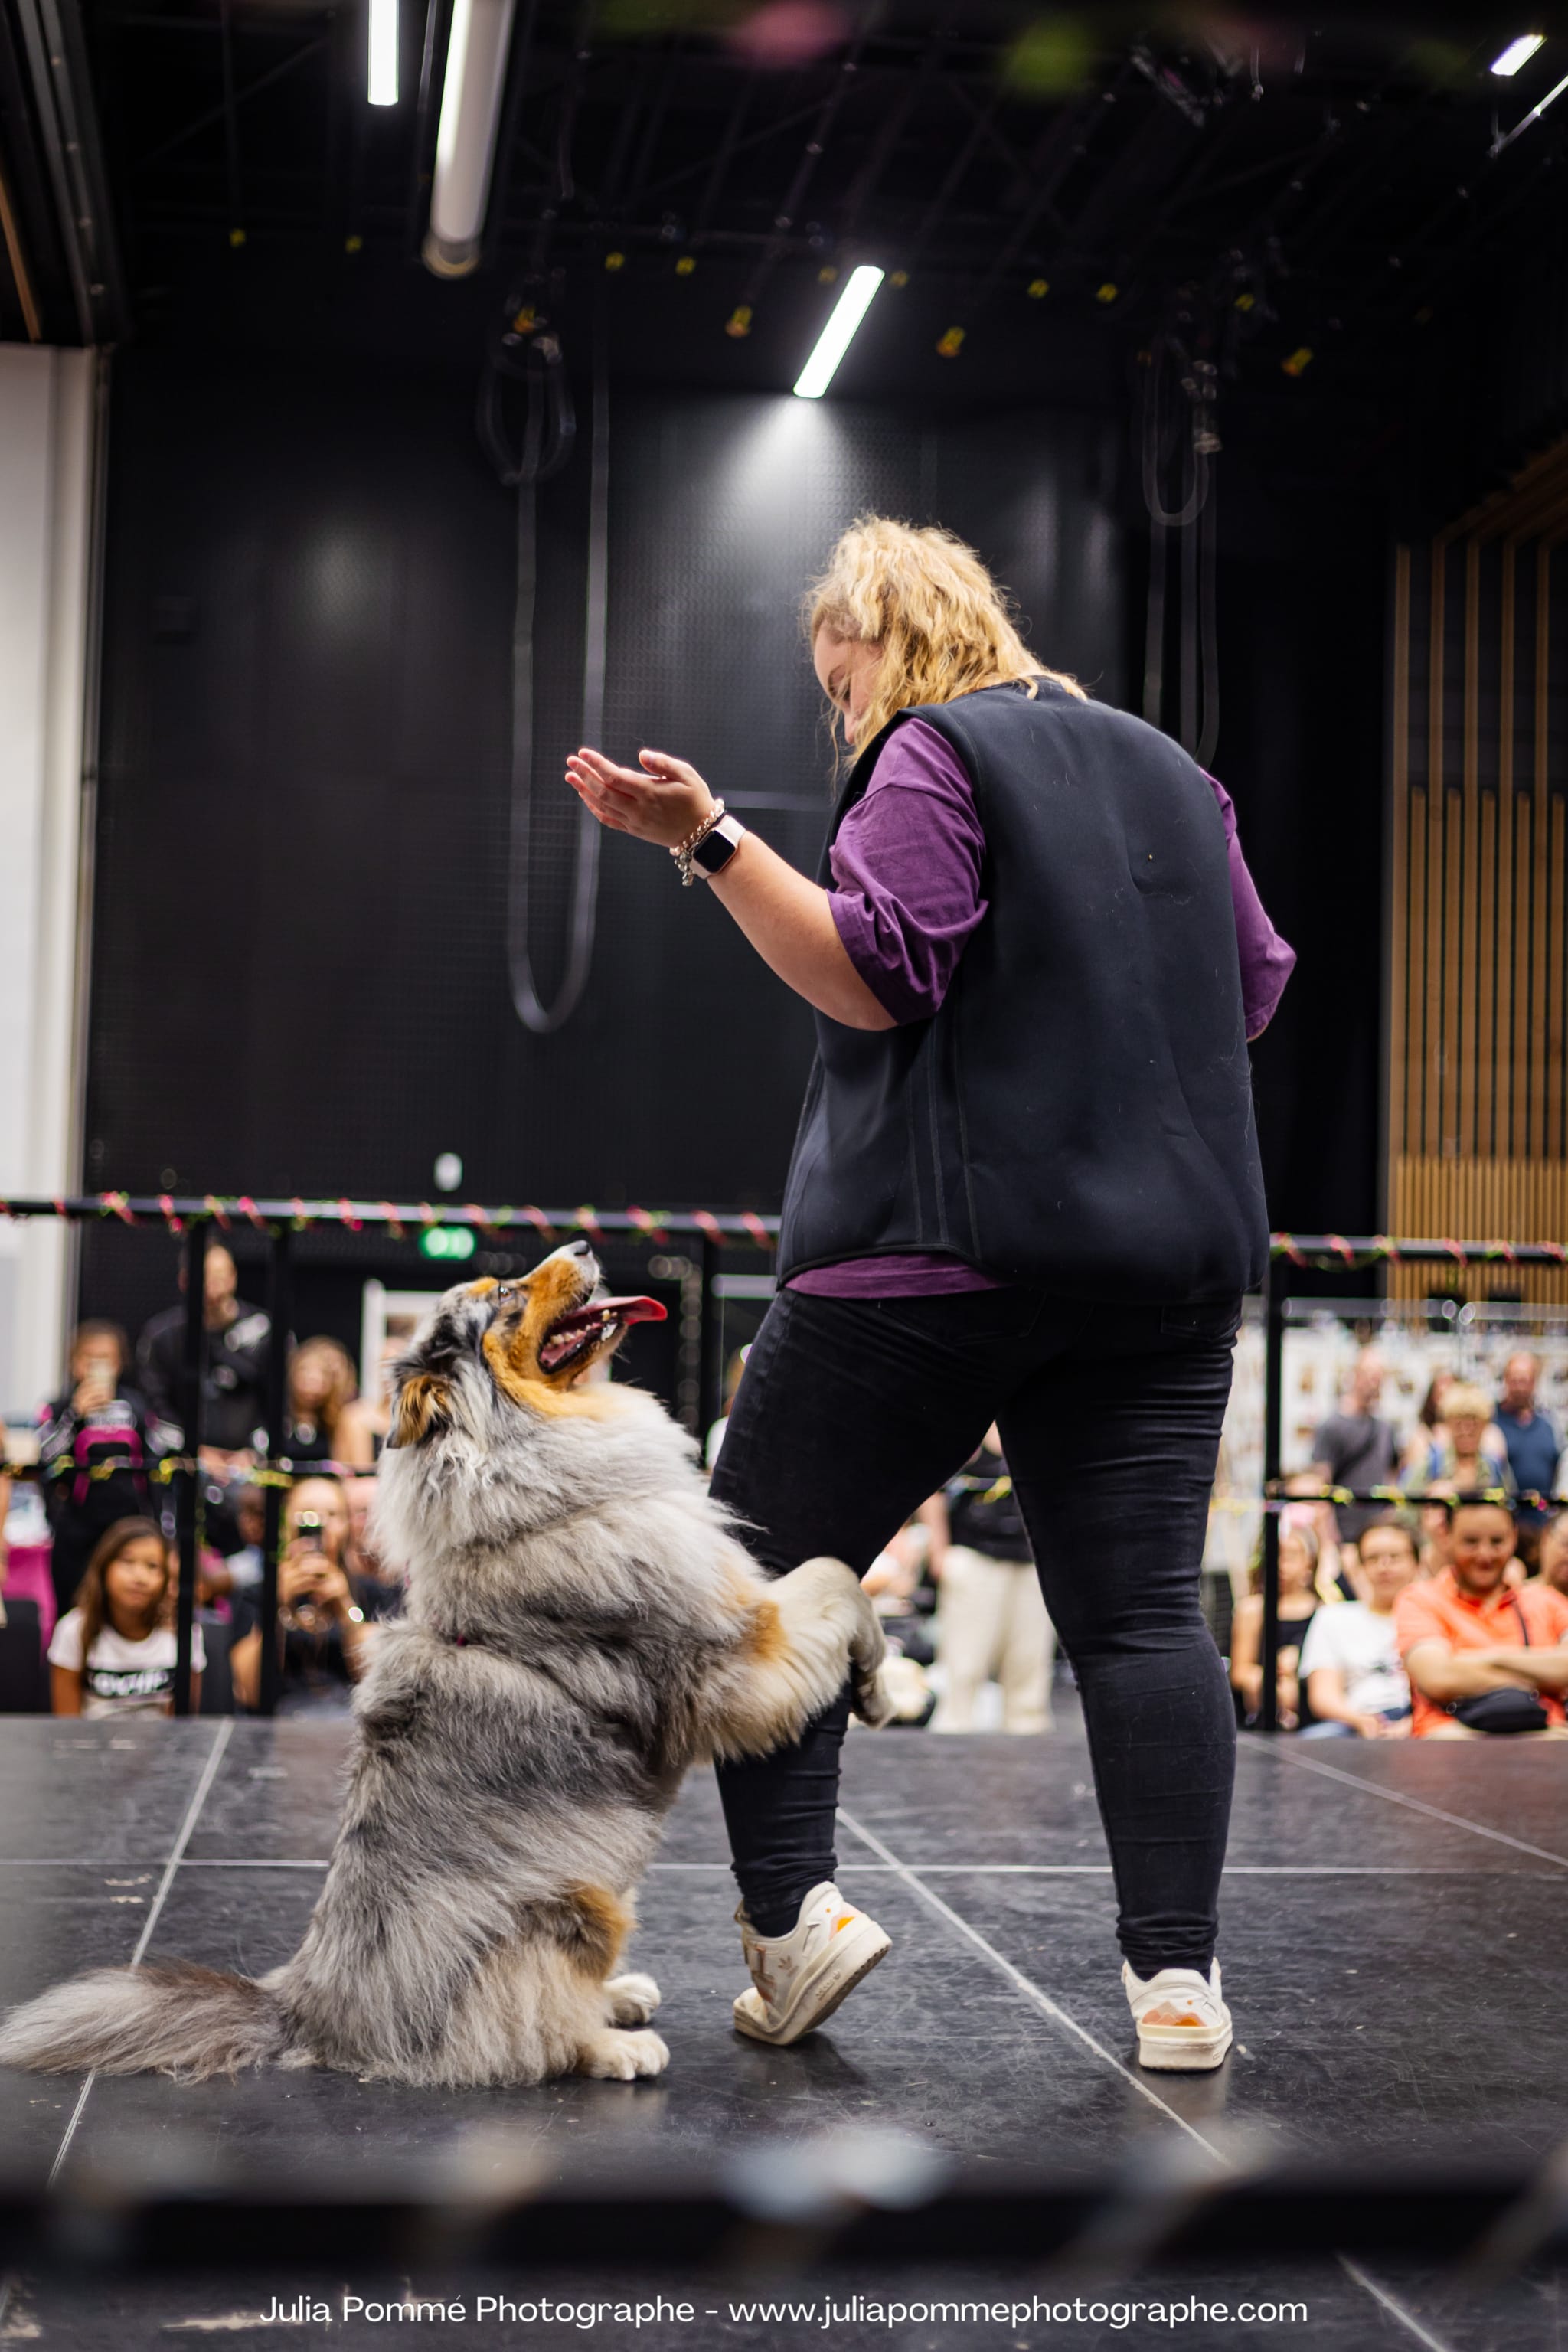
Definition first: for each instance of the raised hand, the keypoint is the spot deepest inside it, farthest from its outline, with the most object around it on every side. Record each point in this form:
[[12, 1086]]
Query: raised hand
[[662, 802]]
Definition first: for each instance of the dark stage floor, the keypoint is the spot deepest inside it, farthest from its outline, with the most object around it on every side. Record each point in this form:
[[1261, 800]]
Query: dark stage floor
[[1393, 1946]]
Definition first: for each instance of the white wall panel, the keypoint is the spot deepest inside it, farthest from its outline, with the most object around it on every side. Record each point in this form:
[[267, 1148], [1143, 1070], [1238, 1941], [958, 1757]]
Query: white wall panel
[[46, 442]]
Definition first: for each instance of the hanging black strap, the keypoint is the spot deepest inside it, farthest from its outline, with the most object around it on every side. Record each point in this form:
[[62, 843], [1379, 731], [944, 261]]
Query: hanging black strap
[[532, 1011]]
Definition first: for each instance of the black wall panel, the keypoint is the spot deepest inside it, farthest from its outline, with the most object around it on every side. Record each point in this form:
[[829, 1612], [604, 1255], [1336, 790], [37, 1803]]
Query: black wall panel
[[300, 955]]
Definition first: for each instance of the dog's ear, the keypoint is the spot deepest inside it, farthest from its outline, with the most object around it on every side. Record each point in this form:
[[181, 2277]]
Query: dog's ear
[[424, 1405]]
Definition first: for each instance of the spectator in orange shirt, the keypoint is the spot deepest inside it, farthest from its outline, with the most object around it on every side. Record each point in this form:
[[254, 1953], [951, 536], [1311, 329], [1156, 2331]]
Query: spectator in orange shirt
[[1466, 1632]]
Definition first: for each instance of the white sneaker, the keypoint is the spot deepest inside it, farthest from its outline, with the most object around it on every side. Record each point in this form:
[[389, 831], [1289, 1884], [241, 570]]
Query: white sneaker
[[1183, 2024], [799, 1979]]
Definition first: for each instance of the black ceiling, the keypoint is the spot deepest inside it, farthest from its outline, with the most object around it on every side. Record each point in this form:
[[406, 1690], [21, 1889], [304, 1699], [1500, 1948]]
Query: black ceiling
[[1059, 187]]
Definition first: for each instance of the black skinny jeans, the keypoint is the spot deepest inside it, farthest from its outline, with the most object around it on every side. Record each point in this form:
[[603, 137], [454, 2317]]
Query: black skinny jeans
[[851, 1411]]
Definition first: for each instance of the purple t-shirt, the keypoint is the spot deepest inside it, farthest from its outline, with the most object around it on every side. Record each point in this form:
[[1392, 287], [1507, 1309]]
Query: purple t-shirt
[[905, 870]]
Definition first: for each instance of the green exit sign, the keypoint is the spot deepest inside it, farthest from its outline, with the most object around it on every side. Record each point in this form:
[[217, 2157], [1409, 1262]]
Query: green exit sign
[[446, 1241]]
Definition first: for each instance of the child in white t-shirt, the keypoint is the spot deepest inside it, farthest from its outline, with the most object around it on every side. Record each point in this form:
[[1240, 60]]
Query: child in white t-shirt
[[1355, 1679], [113, 1652]]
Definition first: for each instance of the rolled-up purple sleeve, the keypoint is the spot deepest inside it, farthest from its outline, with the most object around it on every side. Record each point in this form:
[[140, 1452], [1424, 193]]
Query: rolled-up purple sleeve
[[907, 867], [1266, 959], [906, 872]]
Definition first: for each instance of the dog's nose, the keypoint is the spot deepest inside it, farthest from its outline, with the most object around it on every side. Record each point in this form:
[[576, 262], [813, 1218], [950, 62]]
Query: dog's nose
[[580, 1249]]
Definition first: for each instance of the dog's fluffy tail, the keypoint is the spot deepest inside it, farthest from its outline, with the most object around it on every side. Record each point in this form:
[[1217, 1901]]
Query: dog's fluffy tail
[[173, 2018]]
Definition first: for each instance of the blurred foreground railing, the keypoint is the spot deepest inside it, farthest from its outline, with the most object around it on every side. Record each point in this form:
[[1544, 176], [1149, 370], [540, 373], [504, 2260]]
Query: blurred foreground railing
[[874, 2202]]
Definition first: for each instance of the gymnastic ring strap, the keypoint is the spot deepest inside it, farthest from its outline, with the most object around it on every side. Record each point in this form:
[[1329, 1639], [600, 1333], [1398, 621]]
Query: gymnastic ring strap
[[542, 1018]]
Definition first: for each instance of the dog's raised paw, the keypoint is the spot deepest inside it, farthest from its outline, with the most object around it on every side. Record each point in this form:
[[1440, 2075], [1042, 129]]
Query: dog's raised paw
[[621, 2057], [633, 1998]]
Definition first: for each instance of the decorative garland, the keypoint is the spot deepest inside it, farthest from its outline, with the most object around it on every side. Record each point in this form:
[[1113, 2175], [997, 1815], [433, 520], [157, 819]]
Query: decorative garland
[[174, 1215], [1381, 1249], [721, 1227]]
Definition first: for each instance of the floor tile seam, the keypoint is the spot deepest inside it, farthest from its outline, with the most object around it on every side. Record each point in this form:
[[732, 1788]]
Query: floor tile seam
[[193, 1812], [1031, 1991], [1054, 2009], [1419, 1805]]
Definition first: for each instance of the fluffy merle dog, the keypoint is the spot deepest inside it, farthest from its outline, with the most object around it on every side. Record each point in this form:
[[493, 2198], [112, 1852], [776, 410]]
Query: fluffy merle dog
[[580, 1627]]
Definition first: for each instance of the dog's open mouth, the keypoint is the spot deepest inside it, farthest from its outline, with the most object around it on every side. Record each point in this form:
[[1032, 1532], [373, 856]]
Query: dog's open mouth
[[574, 1337]]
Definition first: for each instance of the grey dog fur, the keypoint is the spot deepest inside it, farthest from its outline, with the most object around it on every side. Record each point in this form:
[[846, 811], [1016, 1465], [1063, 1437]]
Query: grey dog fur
[[506, 1790]]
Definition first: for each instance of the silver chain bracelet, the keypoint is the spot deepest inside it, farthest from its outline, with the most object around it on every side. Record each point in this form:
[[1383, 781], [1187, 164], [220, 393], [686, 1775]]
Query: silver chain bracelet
[[681, 853]]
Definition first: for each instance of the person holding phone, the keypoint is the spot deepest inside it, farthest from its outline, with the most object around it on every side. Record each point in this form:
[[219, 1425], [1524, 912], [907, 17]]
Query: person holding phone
[[324, 1613], [97, 1455]]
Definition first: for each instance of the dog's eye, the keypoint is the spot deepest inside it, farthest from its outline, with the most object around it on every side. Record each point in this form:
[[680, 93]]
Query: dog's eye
[[504, 1291]]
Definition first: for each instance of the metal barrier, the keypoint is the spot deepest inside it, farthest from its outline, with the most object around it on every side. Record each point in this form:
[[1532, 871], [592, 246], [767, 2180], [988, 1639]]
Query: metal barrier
[[278, 1220]]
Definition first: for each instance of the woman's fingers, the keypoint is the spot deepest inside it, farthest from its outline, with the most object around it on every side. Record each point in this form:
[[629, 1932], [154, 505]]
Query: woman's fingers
[[597, 804], [605, 771], [598, 786], [668, 770], [662, 802], [605, 800]]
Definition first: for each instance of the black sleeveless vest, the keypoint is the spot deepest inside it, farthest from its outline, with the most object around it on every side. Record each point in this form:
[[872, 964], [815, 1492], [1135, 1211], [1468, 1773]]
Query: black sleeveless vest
[[1078, 1113]]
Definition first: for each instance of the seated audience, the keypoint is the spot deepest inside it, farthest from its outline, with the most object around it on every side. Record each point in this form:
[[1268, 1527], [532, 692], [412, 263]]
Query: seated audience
[[1298, 1560], [234, 1365], [1482, 1655], [225, 1575], [96, 1451], [991, 1613], [324, 1610], [1428, 1426], [327, 1422], [114, 1652], [1354, 1447], [1534, 1449], [1333, 1570], [1356, 1686], [1553, 1557], [1465, 1454], [377, 1406], [361, 1558]]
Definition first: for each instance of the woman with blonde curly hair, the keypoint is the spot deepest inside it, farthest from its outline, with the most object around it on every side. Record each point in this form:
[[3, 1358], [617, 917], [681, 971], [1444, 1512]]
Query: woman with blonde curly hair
[[1024, 1190]]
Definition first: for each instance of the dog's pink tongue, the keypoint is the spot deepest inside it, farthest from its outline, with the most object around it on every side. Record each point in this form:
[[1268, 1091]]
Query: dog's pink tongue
[[632, 1310]]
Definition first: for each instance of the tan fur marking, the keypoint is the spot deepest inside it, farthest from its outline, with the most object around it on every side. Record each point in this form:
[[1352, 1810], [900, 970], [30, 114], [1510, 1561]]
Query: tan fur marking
[[534, 1389], [765, 1642], [602, 1925], [422, 1406], [512, 1343]]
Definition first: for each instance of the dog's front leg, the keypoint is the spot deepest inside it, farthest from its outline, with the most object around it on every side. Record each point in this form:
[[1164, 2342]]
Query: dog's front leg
[[805, 1635]]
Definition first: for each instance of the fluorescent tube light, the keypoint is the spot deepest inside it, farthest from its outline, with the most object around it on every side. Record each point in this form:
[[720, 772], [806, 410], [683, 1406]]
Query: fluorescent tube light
[[839, 332], [466, 140], [1518, 53], [383, 88]]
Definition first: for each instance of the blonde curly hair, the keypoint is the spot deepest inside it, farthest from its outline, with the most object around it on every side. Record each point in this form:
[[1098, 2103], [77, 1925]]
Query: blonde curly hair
[[927, 599]]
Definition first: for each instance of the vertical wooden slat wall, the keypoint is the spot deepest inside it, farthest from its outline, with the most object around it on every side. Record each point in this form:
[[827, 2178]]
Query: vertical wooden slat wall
[[1478, 1113]]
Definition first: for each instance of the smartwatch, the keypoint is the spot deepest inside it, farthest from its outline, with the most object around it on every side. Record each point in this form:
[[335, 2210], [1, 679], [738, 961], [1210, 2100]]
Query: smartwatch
[[716, 848]]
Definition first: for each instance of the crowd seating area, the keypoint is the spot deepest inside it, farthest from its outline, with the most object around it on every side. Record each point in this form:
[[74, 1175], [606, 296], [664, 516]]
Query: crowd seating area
[[1444, 1618]]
